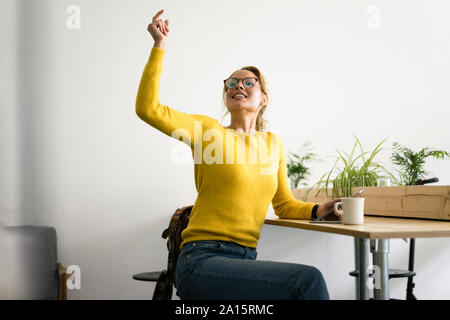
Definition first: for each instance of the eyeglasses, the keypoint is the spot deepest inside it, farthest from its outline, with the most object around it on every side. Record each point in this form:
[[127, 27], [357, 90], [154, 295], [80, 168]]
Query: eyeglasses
[[233, 82]]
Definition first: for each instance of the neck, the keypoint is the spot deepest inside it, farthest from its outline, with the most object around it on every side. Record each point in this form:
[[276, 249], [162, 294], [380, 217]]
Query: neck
[[244, 124]]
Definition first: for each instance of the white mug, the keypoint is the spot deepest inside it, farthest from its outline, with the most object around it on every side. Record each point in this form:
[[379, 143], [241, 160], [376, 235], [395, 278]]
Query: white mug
[[352, 210]]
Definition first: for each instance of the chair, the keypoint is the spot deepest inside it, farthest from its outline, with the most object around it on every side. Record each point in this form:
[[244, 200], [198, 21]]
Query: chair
[[165, 279], [31, 266], [397, 273]]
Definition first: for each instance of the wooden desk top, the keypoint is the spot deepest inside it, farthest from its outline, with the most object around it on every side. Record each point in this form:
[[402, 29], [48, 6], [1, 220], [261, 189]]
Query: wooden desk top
[[375, 227]]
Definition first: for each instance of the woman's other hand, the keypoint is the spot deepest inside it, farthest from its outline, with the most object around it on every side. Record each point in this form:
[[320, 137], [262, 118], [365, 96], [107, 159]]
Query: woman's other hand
[[327, 207], [159, 30]]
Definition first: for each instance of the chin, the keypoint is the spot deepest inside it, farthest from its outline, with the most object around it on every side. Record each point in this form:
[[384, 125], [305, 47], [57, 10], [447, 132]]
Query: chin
[[241, 108]]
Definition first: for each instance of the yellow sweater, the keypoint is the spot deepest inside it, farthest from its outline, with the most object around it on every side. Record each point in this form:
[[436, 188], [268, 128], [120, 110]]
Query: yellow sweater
[[236, 174]]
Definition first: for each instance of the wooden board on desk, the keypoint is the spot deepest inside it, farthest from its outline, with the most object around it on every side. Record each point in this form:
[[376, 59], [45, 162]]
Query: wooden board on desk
[[375, 227], [428, 202]]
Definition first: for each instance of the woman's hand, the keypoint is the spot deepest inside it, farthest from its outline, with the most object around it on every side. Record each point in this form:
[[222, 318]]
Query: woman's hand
[[327, 207], [159, 30]]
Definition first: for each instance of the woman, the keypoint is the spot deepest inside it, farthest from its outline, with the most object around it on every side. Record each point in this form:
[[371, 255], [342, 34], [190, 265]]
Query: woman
[[218, 257]]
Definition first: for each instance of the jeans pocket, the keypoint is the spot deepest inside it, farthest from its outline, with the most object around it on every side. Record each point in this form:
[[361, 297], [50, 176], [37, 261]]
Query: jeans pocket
[[200, 250]]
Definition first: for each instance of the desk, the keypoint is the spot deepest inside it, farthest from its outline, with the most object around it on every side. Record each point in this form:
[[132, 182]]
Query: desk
[[374, 236]]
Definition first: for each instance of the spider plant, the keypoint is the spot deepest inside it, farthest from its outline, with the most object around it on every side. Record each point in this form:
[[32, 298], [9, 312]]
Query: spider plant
[[297, 169], [357, 170], [412, 163]]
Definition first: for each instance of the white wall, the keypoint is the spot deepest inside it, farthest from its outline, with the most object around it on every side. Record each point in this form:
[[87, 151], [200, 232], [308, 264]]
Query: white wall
[[78, 158]]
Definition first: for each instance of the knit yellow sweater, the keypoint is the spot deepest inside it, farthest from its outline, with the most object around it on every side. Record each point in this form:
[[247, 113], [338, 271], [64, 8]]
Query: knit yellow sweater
[[236, 174]]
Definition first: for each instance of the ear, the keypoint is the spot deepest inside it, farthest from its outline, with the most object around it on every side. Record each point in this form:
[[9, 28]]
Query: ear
[[263, 101]]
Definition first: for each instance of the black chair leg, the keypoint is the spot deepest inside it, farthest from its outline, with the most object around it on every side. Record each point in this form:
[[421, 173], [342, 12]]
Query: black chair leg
[[410, 286], [164, 287]]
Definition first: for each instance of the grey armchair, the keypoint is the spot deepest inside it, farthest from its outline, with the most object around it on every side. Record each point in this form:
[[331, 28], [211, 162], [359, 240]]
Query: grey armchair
[[29, 264]]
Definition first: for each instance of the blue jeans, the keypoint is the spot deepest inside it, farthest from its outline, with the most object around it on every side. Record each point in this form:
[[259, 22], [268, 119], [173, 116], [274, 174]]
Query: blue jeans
[[221, 270]]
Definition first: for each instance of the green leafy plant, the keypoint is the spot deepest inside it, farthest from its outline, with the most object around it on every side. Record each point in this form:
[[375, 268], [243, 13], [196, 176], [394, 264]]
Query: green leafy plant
[[357, 170], [412, 163], [297, 169]]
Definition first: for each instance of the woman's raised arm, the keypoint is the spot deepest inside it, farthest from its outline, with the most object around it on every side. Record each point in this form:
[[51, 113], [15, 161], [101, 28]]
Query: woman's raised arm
[[148, 107]]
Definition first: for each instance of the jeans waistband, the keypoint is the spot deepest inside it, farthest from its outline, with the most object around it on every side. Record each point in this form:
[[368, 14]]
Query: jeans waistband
[[221, 242], [222, 246]]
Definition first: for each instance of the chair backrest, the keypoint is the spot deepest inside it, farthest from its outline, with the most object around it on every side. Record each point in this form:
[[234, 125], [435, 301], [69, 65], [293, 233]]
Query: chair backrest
[[31, 255], [177, 224]]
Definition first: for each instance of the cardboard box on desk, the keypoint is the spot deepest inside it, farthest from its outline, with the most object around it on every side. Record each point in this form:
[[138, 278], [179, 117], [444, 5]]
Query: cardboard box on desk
[[429, 202]]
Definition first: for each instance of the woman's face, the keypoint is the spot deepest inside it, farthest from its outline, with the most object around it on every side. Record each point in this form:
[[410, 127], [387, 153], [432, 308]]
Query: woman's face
[[253, 98]]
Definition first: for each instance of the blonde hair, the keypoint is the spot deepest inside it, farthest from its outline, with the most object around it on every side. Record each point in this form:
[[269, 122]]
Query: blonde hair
[[261, 123]]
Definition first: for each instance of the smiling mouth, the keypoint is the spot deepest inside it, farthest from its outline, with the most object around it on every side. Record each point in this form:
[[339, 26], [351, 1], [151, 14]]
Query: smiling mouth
[[239, 96]]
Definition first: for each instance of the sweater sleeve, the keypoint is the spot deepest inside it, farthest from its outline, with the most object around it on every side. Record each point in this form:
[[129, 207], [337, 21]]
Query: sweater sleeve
[[163, 118], [284, 204]]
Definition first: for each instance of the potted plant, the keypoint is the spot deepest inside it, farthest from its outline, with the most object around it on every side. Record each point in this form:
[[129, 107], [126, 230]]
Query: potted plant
[[357, 170], [412, 163], [297, 169]]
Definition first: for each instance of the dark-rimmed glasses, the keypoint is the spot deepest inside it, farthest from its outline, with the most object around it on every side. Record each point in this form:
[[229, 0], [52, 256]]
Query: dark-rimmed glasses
[[249, 82]]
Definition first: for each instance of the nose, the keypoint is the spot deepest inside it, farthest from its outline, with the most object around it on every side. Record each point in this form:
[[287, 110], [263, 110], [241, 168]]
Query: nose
[[239, 87], [240, 84]]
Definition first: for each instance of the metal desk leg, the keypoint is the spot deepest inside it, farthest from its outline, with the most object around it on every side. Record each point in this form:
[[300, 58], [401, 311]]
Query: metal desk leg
[[362, 265], [380, 259]]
